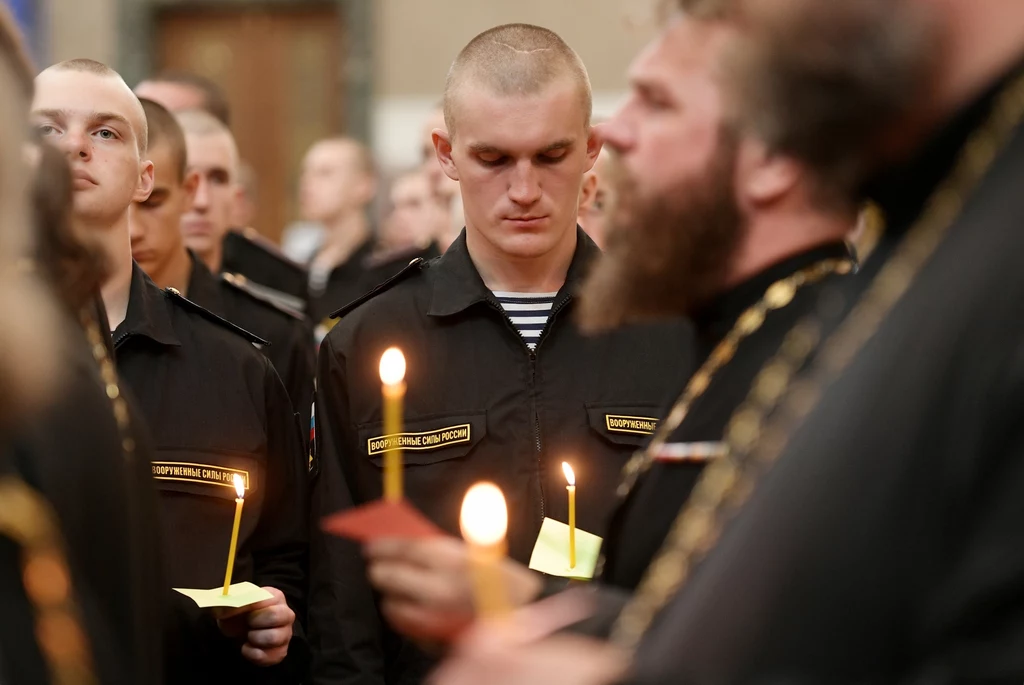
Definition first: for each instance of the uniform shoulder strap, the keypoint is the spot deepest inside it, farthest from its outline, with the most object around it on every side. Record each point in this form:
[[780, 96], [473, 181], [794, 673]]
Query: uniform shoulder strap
[[412, 268], [240, 283], [190, 306]]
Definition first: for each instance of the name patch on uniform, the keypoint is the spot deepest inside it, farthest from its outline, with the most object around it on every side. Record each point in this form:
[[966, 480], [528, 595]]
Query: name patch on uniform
[[429, 440], [638, 425], [198, 473]]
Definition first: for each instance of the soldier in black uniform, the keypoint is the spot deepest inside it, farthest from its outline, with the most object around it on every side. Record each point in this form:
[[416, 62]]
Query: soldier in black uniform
[[498, 372], [158, 248], [215, 406], [336, 189]]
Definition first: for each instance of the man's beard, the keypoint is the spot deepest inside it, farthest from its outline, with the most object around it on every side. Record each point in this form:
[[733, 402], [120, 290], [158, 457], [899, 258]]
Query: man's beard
[[665, 255]]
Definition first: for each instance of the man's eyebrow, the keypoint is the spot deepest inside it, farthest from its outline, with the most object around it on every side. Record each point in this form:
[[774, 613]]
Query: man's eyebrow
[[485, 148], [92, 116], [110, 116], [558, 145]]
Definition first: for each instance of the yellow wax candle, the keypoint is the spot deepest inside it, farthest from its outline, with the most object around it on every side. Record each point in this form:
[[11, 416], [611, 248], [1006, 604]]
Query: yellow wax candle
[[392, 376], [571, 487], [484, 522], [239, 501]]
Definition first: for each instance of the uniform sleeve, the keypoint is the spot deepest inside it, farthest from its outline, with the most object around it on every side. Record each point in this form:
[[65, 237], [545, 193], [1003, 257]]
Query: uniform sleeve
[[280, 541], [298, 370], [345, 629]]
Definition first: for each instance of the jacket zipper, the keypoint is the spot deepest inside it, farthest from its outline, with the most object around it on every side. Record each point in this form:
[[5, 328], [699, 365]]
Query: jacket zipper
[[533, 385]]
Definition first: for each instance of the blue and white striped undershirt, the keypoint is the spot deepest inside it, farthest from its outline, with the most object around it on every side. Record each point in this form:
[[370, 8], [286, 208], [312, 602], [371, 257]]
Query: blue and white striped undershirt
[[529, 312]]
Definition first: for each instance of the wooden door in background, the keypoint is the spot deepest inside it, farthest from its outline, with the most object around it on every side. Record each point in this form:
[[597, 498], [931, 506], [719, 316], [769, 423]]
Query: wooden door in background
[[281, 69]]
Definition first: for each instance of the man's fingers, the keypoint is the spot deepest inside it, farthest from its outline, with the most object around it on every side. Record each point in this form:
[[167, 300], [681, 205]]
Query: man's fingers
[[272, 617], [224, 613], [427, 553], [270, 639], [423, 587], [262, 657]]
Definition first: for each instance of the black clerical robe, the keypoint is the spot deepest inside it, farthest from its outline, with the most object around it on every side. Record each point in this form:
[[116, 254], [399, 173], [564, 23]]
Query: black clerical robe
[[887, 543]]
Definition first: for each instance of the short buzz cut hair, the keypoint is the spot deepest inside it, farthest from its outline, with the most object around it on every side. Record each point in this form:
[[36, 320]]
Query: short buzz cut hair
[[91, 66], [215, 101], [199, 122], [165, 130], [516, 59]]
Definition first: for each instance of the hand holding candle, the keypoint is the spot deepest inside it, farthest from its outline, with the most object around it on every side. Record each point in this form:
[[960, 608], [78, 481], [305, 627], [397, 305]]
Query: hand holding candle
[[484, 522], [392, 376], [571, 487], [239, 501]]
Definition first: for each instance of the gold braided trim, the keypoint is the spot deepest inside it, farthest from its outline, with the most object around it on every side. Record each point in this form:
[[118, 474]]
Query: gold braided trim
[[27, 518]]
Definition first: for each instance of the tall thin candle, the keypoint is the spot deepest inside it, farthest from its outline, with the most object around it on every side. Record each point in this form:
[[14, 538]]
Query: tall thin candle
[[571, 487], [239, 501], [392, 376]]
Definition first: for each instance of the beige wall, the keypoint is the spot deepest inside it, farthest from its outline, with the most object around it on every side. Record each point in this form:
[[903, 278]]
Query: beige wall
[[83, 28], [416, 41]]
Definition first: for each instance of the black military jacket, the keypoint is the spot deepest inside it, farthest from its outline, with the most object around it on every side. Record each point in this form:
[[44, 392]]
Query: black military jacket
[[887, 542], [345, 283], [70, 451], [643, 521], [216, 408], [291, 340], [248, 253], [484, 407]]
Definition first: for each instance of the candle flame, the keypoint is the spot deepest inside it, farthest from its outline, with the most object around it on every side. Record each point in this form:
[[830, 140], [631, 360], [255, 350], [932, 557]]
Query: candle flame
[[239, 485], [569, 475], [484, 519], [392, 366]]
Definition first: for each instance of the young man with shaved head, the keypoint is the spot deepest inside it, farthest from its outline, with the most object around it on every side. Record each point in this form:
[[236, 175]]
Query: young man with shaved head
[[337, 185], [214, 405], [491, 346]]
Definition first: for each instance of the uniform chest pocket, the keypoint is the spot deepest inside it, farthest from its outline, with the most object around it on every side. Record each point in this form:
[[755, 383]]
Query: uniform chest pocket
[[209, 474], [427, 439], [631, 425]]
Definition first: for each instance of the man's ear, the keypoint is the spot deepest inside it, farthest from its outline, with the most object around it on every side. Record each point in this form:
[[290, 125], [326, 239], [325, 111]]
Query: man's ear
[[764, 176], [144, 187], [190, 184], [443, 149], [588, 191], [594, 144]]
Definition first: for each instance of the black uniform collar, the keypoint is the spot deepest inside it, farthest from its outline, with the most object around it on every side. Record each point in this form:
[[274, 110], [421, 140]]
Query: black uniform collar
[[147, 313], [204, 288], [901, 190], [714, 320], [458, 285]]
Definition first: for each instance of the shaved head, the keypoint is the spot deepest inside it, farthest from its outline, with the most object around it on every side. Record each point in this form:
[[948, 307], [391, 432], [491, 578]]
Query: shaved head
[[90, 66], [165, 130], [200, 124], [514, 59]]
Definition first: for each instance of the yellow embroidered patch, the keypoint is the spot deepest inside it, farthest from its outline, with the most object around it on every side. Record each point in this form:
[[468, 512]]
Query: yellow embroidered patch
[[428, 440], [198, 473], [638, 425]]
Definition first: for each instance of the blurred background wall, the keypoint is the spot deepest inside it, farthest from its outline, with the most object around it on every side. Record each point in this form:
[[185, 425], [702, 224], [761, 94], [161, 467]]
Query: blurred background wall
[[299, 70]]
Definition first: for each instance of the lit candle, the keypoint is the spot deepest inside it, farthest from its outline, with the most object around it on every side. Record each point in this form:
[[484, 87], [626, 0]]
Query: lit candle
[[571, 487], [392, 375], [239, 501], [484, 522]]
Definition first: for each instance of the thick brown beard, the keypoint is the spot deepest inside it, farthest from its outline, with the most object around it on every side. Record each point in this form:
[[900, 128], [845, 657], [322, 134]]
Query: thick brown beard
[[664, 256]]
